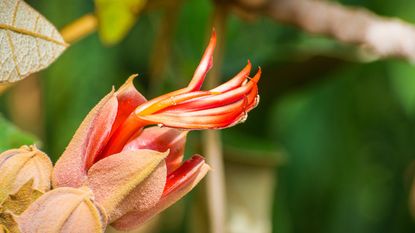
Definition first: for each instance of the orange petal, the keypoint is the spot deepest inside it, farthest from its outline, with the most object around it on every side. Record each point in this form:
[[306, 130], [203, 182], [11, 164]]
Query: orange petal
[[204, 66], [196, 122], [235, 81], [194, 85], [128, 99]]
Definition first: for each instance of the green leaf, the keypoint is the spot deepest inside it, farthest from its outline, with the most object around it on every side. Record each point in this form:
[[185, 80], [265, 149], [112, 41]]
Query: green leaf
[[12, 137], [116, 17]]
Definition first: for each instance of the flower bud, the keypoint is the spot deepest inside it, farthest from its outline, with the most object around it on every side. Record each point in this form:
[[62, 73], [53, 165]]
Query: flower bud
[[18, 166], [63, 210]]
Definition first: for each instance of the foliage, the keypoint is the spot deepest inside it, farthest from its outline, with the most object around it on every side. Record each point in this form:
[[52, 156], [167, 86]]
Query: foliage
[[12, 137]]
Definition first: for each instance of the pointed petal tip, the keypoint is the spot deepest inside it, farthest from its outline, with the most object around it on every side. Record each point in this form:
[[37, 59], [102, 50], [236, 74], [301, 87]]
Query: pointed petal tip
[[128, 83], [257, 75], [204, 66], [131, 78], [204, 166], [213, 35]]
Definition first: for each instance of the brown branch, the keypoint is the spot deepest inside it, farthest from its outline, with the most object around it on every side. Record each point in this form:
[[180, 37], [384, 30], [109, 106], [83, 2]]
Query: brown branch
[[385, 37]]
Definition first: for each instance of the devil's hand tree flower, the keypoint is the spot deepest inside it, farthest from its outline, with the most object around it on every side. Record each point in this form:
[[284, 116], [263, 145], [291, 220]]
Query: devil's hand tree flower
[[136, 171]]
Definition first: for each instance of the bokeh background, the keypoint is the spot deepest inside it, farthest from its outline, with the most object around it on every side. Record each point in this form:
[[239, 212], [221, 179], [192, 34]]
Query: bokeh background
[[330, 148]]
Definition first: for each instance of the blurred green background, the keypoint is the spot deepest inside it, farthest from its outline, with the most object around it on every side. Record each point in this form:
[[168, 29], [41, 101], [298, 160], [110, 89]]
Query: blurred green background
[[338, 133]]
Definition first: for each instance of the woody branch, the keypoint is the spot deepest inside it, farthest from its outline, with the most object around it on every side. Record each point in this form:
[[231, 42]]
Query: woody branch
[[384, 36]]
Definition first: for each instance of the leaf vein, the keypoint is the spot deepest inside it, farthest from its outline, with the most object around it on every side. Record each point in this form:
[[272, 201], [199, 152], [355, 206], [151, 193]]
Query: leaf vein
[[37, 44], [16, 8], [33, 34], [13, 53]]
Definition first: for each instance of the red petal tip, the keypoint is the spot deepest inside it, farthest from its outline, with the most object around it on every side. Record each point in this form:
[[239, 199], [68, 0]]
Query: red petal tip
[[204, 66], [183, 174], [257, 75]]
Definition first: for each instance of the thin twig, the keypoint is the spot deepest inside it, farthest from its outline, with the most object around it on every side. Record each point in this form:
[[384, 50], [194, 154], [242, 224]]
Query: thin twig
[[385, 37], [79, 28], [216, 196]]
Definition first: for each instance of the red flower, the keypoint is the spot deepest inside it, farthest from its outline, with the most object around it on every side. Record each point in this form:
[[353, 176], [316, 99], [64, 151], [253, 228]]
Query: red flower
[[136, 172]]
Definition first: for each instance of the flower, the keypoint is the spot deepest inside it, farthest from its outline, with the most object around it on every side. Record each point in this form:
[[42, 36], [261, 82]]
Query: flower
[[136, 171]]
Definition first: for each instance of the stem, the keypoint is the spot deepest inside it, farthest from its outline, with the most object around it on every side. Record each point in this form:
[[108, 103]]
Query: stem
[[216, 195], [384, 37], [79, 28]]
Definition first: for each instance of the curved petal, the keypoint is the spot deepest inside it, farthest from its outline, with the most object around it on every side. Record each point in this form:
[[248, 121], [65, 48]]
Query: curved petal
[[204, 66], [235, 81], [128, 99], [194, 85]]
